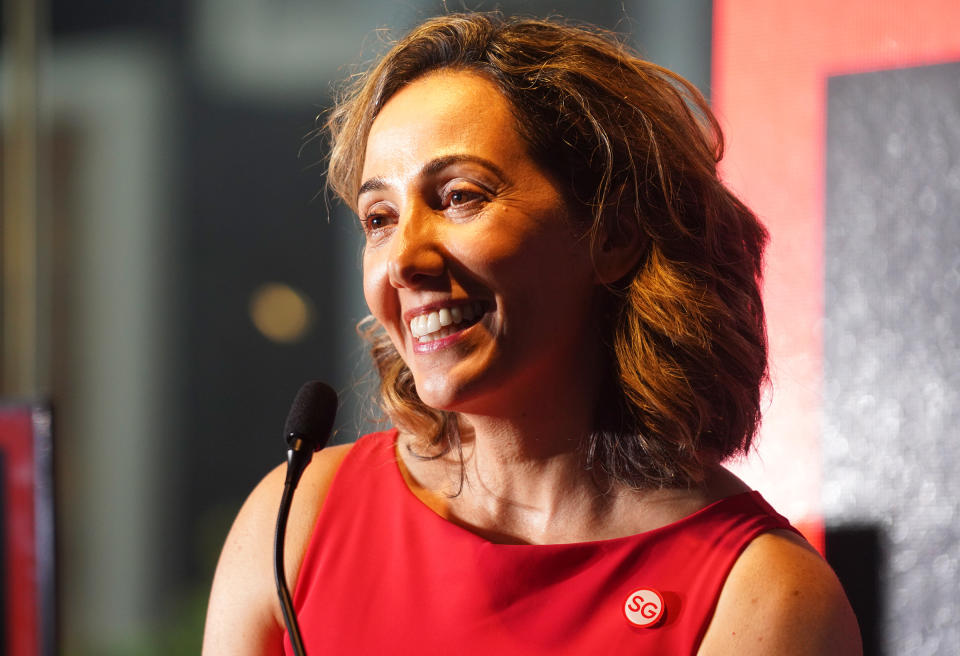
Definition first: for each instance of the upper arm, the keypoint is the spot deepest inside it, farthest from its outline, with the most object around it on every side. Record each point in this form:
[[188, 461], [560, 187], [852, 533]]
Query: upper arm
[[782, 598], [244, 615]]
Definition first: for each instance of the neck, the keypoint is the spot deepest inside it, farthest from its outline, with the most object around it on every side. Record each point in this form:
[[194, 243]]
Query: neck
[[523, 477], [538, 449]]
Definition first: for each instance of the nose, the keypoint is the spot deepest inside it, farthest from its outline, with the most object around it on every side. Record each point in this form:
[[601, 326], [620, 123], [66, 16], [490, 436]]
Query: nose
[[416, 252]]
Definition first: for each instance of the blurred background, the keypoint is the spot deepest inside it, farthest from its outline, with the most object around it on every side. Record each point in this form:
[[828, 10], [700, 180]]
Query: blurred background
[[173, 271]]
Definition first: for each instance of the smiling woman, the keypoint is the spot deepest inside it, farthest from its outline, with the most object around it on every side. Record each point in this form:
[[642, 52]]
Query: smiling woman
[[566, 320]]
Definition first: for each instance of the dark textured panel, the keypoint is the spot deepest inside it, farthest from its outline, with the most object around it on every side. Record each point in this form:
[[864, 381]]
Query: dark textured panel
[[892, 380], [856, 554], [256, 215]]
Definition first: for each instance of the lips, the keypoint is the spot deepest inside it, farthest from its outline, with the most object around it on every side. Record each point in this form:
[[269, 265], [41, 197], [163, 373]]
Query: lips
[[441, 322]]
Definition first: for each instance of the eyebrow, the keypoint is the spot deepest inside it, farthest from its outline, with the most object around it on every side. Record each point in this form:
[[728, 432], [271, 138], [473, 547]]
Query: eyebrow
[[373, 184], [434, 167]]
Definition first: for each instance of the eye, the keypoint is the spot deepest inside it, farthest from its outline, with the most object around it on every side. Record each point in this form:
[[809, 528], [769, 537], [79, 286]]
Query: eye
[[463, 197], [376, 219], [459, 196], [375, 222]]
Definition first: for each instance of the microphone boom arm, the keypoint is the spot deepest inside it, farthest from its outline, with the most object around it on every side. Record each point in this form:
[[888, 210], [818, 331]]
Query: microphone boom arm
[[286, 603], [307, 430]]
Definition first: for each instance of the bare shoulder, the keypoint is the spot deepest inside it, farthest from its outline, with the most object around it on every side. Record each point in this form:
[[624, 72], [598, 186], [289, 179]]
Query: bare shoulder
[[243, 615], [782, 598]]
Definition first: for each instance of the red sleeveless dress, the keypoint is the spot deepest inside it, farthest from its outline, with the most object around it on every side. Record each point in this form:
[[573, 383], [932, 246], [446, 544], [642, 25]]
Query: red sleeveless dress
[[384, 574]]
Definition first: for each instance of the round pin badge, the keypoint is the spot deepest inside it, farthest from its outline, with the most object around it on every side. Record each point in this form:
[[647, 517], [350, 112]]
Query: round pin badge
[[644, 607]]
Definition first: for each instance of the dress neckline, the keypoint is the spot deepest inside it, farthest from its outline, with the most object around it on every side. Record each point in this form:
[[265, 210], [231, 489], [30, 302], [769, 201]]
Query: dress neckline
[[750, 497]]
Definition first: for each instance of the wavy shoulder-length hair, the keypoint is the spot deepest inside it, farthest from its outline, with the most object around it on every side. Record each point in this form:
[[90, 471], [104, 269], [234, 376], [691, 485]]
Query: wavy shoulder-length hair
[[636, 147]]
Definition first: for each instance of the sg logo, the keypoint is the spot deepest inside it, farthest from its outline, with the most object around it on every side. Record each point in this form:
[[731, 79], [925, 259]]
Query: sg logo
[[643, 607]]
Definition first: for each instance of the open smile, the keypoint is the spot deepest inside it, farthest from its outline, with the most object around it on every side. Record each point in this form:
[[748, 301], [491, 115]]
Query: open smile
[[442, 322]]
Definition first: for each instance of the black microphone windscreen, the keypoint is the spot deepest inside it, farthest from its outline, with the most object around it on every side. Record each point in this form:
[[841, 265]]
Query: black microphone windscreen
[[312, 413]]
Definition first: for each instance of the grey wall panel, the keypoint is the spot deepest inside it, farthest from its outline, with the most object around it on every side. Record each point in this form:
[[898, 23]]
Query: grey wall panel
[[892, 355]]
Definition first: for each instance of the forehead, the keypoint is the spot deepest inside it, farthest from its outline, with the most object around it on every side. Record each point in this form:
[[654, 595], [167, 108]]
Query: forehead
[[442, 113]]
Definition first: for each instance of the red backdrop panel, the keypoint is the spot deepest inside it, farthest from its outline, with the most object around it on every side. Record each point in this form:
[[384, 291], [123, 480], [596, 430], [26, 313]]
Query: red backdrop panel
[[22, 600]]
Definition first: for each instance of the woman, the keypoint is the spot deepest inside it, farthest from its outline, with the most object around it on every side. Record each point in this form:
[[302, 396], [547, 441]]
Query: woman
[[567, 323]]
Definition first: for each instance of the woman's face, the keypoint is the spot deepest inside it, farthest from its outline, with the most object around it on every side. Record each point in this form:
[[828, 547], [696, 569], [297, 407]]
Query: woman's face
[[470, 262]]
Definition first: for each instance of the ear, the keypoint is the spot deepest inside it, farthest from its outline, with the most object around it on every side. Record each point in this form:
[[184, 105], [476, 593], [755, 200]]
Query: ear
[[618, 249]]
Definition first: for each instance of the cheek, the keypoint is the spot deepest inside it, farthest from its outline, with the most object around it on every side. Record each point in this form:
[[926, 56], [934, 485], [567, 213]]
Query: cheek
[[380, 295], [375, 286]]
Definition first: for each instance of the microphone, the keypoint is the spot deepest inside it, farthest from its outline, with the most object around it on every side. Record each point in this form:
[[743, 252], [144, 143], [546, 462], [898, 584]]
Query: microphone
[[308, 425], [306, 430]]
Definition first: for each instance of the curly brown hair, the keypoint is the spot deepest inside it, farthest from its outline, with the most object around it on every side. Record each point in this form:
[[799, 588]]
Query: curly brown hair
[[635, 146]]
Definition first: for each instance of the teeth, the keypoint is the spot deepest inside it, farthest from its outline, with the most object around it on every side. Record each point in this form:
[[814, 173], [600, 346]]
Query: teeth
[[440, 323], [440, 334], [418, 325]]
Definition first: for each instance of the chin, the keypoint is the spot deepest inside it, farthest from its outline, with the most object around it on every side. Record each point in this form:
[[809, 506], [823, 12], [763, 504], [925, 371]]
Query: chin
[[443, 394], [472, 401], [439, 398]]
